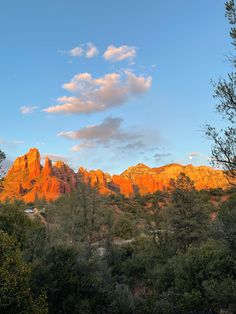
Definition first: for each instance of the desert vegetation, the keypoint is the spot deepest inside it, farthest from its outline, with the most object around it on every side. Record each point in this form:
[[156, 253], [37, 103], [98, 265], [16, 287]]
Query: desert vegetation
[[167, 252], [71, 246]]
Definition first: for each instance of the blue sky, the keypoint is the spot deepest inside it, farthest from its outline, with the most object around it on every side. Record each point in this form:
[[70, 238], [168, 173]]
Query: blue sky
[[108, 84]]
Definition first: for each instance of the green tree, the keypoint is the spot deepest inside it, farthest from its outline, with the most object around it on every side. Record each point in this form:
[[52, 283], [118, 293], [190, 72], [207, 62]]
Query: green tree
[[30, 234], [192, 281], [124, 226], [156, 225], [77, 218], [15, 222], [226, 224], [182, 183], [224, 140], [188, 214], [72, 284], [123, 300], [15, 292]]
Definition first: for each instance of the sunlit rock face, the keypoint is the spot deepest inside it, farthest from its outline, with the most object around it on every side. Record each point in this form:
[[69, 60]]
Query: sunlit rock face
[[47, 169], [27, 179], [204, 177], [122, 185], [143, 178], [96, 178], [28, 164], [149, 180]]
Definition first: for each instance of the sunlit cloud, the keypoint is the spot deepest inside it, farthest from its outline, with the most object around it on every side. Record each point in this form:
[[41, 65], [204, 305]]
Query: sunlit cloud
[[91, 51], [109, 130], [193, 155], [108, 134], [79, 147], [116, 54], [88, 50], [26, 110], [99, 94], [76, 52]]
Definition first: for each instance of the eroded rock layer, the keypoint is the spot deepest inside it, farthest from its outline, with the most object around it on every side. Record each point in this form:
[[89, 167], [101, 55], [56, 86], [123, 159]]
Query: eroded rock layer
[[27, 179]]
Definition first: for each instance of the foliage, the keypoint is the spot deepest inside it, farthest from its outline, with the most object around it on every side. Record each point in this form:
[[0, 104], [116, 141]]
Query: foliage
[[159, 253], [226, 222], [124, 227], [189, 214], [224, 141], [123, 300], [15, 291], [190, 281]]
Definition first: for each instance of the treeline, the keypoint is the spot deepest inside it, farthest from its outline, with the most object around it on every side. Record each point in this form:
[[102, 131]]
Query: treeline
[[169, 252]]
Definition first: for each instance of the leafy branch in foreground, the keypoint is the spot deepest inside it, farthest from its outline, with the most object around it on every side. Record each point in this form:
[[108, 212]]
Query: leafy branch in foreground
[[224, 141]]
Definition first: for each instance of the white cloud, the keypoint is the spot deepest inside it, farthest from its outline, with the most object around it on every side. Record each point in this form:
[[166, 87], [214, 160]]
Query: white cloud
[[116, 54], [99, 94], [76, 52], [91, 51], [88, 50], [28, 109], [79, 147]]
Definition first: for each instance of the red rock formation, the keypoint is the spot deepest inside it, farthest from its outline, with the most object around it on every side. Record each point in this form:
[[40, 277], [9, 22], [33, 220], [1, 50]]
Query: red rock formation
[[204, 177], [29, 164], [123, 185], [47, 169], [149, 180], [144, 178], [96, 178], [65, 173], [27, 179]]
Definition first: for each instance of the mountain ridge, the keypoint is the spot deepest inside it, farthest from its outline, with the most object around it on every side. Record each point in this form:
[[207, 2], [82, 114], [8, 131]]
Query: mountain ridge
[[28, 180]]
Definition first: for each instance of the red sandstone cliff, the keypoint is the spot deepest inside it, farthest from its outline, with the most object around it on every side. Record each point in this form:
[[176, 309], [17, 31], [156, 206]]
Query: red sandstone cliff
[[27, 179], [149, 180]]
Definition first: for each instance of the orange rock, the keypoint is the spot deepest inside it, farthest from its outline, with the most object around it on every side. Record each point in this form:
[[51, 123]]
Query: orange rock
[[144, 178], [96, 178], [28, 180], [65, 173], [149, 180], [33, 159], [47, 169], [123, 185]]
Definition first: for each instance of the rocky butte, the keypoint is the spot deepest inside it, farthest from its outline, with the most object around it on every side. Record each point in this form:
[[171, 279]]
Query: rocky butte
[[27, 179]]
